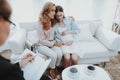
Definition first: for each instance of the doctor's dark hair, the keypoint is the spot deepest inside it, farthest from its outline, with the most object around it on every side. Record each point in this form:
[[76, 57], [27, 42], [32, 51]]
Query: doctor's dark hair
[[5, 10]]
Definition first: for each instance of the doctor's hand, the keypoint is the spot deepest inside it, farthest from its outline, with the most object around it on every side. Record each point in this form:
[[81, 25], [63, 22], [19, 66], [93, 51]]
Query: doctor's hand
[[26, 59]]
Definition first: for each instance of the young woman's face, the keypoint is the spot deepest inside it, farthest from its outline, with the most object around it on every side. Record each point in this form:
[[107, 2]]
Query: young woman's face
[[4, 30], [51, 14], [59, 16]]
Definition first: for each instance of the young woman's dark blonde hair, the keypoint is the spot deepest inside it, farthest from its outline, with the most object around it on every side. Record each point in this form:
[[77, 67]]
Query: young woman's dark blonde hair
[[44, 19]]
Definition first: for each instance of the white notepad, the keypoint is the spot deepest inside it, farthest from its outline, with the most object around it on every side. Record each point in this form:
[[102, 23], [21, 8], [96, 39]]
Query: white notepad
[[34, 70]]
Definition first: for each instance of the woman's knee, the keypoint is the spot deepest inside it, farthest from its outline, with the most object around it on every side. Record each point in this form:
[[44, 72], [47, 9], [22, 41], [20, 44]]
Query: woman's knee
[[48, 52], [75, 57], [59, 54], [67, 56], [58, 51]]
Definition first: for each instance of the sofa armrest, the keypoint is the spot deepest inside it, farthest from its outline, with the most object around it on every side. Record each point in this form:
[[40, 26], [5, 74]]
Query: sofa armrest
[[28, 44], [33, 47], [108, 38], [17, 41]]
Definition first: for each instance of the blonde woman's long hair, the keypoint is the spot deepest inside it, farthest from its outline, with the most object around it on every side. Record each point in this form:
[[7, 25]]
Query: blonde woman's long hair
[[44, 19]]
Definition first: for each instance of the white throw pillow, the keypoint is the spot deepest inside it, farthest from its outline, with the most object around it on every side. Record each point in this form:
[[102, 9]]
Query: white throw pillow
[[17, 41], [32, 36], [85, 33], [94, 25]]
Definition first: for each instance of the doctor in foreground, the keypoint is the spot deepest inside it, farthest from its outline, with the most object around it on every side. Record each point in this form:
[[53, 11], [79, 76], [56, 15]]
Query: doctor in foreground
[[9, 71]]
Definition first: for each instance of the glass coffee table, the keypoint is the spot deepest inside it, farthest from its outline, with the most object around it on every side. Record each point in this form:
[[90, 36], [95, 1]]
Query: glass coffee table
[[83, 73]]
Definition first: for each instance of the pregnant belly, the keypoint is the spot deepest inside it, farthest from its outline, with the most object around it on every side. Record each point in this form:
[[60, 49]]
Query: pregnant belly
[[67, 38]]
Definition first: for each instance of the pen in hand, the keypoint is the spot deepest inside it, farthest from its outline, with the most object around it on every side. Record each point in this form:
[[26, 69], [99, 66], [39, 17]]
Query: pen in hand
[[26, 59]]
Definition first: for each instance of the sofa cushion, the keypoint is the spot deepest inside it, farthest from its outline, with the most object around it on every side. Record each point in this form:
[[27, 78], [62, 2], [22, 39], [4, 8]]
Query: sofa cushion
[[93, 49], [94, 25], [17, 41], [85, 33], [108, 38], [28, 26], [32, 36]]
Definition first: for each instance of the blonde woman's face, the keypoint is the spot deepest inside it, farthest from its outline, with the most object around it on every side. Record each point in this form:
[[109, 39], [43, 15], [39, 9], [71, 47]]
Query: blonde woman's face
[[52, 13]]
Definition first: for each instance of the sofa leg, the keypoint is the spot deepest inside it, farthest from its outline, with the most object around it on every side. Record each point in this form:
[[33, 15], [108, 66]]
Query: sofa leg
[[104, 64], [96, 64]]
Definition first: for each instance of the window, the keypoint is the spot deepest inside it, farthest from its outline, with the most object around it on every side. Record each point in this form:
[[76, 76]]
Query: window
[[116, 21]]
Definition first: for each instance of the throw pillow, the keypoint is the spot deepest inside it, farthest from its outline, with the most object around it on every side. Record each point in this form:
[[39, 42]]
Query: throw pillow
[[85, 33], [32, 36], [94, 25]]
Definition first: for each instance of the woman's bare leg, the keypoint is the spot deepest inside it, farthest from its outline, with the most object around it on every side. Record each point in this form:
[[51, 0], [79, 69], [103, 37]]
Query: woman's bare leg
[[75, 59], [53, 73], [66, 60]]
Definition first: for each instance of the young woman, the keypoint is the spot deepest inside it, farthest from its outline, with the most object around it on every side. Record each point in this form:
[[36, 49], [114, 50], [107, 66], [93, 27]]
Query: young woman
[[65, 32], [48, 46]]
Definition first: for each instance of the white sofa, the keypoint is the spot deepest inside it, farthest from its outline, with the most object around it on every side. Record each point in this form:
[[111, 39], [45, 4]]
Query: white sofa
[[95, 42]]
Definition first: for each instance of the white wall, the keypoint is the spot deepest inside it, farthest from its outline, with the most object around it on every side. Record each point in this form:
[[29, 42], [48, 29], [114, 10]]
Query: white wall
[[105, 9], [29, 10], [23, 10]]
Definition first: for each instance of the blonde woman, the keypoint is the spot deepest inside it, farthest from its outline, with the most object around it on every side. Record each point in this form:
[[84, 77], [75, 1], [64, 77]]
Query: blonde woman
[[48, 46]]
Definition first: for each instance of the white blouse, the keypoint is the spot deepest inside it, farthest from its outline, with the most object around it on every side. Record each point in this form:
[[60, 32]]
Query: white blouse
[[67, 37]]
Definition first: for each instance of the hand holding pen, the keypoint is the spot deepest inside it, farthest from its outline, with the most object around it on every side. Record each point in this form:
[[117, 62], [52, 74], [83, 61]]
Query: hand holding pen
[[26, 59]]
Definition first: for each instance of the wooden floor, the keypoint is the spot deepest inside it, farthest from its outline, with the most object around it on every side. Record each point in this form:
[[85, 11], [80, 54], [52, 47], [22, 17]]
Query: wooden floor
[[113, 67]]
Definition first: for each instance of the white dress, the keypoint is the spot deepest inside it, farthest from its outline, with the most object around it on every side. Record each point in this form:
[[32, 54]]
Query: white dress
[[72, 49]]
